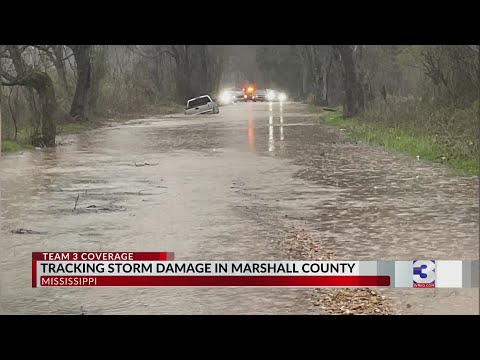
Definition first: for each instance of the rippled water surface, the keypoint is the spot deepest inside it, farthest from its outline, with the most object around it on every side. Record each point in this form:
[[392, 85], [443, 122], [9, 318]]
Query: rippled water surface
[[224, 187]]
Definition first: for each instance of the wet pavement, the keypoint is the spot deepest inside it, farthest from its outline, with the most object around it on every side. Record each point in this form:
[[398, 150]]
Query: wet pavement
[[227, 187]]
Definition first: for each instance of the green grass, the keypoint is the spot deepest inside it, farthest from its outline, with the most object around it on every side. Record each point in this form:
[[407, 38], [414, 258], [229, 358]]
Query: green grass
[[427, 146], [314, 108], [10, 146], [24, 134]]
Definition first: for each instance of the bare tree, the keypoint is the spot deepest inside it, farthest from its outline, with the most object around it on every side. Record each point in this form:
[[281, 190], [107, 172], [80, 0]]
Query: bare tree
[[1, 67], [99, 72], [306, 68], [316, 63], [354, 98], [79, 107], [188, 59], [24, 74], [214, 61], [57, 55], [326, 75], [319, 66], [182, 56]]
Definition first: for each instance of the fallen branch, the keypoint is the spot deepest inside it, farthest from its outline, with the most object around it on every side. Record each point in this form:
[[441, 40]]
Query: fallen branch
[[102, 208], [26, 231], [328, 109], [76, 202], [95, 207]]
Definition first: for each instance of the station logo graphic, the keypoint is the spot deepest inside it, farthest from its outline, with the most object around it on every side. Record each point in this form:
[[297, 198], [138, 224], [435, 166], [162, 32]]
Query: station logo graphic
[[424, 274]]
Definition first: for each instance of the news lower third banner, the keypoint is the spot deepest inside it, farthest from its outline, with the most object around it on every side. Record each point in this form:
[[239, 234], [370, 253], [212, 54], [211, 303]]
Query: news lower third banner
[[145, 269]]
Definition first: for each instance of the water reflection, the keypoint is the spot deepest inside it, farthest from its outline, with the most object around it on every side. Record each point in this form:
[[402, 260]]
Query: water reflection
[[363, 202], [271, 142], [251, 133], [281, 127]]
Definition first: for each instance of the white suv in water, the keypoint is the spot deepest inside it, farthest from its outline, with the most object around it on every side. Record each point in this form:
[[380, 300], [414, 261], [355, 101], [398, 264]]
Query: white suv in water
[[201, 105]]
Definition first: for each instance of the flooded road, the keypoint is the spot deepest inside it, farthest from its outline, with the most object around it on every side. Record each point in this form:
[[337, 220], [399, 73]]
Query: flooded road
[[227, 187]]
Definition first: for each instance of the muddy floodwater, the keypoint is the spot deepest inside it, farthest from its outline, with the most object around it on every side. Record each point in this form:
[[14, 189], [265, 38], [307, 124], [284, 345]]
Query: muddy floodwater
[[227, 187]]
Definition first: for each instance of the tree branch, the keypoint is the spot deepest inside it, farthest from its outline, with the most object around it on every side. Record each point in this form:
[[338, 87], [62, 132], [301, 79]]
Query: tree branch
[[10, 84], [135, 49], [47, 49], [175, 53], [166, 52], [44, 48], [16, 56], [7, 76], [67, 57]]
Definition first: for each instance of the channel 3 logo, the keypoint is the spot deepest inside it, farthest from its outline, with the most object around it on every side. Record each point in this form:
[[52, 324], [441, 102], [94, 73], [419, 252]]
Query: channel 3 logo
[[424, 274]]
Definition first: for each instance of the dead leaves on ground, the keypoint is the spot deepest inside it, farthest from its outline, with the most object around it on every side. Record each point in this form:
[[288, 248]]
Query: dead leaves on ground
[[352, 302], [299, 245]]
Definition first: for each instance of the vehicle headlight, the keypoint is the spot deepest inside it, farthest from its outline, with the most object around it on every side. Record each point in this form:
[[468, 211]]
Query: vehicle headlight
[[282, 97]]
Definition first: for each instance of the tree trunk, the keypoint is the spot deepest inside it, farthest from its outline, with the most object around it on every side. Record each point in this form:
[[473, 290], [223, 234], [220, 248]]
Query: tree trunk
[[354, 102], [43, 85], [205, 78], [304, 54], [182, 87], [79, 106], [182, 72], [325, 85], [60, 67], [305, 80], [99, 71], [326, 82], [0, 115], [318, 79], [1, 67], [157, 72], [12, 114]]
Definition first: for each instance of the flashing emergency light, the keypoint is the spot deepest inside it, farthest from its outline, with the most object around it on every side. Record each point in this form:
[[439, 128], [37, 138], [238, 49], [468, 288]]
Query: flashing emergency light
[[249, 89]]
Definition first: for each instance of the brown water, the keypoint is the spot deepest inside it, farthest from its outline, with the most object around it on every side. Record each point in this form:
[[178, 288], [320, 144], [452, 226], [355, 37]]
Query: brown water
[[224, 187]]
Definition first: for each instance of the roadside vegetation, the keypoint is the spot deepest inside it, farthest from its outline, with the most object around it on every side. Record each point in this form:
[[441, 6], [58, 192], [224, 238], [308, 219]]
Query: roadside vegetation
[[416, 132], [52, 90], [9, 146], [23, 141], [422, 100]]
